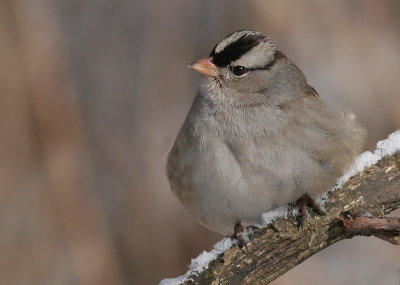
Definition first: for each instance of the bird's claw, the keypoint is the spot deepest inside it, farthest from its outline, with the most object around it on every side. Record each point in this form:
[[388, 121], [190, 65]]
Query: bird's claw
[[304, 201]]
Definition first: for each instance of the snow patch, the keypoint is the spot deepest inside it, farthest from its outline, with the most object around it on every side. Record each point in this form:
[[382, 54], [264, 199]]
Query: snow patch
[[199, 264], [281, 212], [383, 148]]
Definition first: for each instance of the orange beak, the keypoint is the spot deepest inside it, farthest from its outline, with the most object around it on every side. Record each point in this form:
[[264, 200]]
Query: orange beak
[[205, 66]]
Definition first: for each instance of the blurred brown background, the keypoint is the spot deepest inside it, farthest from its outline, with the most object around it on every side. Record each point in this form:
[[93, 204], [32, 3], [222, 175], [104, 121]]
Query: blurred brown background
[[92, 94]]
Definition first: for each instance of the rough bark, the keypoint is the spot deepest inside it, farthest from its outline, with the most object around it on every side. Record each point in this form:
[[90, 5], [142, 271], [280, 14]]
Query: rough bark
[[356, 209]]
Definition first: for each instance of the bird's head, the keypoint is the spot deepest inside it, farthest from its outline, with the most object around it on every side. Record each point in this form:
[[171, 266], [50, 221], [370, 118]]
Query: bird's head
[[246, 68]]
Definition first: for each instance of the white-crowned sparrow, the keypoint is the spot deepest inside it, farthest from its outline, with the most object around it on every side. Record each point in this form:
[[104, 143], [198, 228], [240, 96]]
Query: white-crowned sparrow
[[256, 137]]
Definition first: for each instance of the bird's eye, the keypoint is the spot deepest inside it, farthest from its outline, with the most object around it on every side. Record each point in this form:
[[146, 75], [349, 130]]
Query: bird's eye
[[239, 70]]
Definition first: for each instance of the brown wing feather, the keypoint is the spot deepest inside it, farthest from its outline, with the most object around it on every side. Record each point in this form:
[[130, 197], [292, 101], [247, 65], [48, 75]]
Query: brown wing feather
[[313, 91]]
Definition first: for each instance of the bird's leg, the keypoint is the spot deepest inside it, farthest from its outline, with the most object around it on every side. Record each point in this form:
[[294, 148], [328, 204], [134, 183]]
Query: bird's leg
[[304, 201], [238, 233]]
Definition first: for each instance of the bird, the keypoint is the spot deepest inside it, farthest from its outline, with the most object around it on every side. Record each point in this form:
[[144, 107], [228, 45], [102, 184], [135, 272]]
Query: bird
[[256, 137]]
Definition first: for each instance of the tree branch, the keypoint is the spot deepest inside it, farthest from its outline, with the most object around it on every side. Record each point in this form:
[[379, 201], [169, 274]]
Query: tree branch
[[355, 209]]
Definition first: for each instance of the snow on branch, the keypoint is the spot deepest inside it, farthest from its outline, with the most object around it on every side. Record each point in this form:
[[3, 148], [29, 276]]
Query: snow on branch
[[355, 206]]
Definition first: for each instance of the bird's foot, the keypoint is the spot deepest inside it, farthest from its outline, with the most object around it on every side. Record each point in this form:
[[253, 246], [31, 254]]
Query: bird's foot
[[238, 233], [303, 202]]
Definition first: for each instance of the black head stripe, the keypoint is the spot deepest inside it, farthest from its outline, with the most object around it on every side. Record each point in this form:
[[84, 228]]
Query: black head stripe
[[235, 49]]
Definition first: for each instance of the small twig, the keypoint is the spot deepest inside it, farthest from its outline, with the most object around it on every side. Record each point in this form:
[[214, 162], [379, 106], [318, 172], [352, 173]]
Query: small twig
[[387, 229]]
